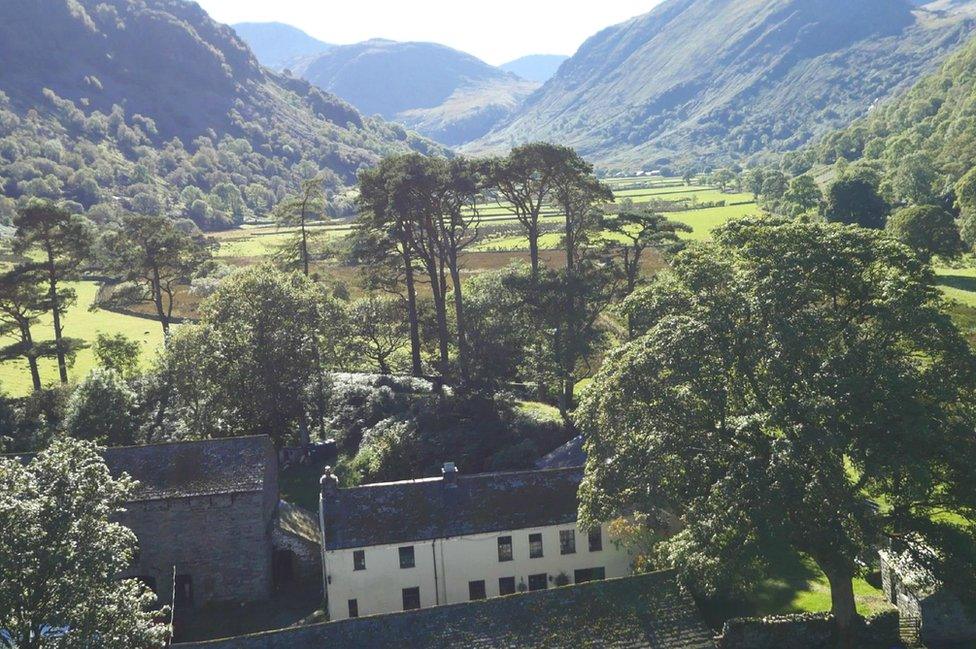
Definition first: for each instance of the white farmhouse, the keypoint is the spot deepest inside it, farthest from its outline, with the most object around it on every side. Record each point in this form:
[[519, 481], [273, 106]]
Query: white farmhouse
[[420, 543]]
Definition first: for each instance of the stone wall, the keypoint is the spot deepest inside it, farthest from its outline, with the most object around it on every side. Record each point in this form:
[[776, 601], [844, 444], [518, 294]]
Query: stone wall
[[222, 543], [944, 620], [933, 618], [808, 631]]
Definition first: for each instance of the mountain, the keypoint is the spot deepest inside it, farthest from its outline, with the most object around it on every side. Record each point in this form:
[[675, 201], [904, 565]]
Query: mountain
[[930, 127], [709, 81], [447, 95], [278, 45], [535, 67], [151, 105]]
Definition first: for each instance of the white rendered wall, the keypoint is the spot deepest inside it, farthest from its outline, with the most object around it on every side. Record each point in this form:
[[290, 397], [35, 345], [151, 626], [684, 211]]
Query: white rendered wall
[[459, 560]]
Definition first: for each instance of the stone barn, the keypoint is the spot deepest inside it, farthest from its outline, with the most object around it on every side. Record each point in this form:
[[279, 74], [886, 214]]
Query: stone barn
[[928, 612], [207, 509]]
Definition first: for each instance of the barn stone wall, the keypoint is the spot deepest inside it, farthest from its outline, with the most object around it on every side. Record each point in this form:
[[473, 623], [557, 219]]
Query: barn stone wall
[[807, 631], [223, 543]]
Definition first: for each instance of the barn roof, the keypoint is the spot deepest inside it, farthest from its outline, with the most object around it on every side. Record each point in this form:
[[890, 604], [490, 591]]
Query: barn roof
[[200, 468], [569, 454], [417, 510], [643, 612]]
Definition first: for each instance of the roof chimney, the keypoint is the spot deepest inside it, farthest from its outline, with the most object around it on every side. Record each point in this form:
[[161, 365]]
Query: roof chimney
[[449, 471], [329, 484]]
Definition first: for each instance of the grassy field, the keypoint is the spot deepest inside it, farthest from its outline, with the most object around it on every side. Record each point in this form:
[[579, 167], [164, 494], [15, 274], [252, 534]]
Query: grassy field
[[797, 587], [80, 322], [257, 242]]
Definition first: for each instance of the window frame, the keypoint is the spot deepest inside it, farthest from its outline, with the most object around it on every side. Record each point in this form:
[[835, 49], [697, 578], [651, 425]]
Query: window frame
[[536, 546], [353, 607], [564, 546], [407, 552], [358, 560], [503, 591], [506, 541], [477, 590], [595, 539], [543, 577], [404, 592]]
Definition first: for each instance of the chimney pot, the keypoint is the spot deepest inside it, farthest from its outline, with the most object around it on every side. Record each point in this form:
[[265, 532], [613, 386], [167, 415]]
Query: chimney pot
[[449, 472], [329, 483]]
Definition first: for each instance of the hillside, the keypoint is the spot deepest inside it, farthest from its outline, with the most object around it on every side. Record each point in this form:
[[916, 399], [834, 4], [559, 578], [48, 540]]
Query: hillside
[[277, 45], [712, 80], [934, 120], [151, 105], [444, 94], [535, 67]]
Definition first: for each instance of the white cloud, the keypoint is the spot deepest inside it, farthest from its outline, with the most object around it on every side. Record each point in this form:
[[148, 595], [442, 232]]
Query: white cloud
[[495, 30]]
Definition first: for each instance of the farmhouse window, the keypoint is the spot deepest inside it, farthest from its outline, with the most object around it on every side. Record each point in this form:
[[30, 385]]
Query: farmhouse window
[[406, 557], [359, 560], [411, 599], [567, 541], [535, 546], [506, 585], [538, 582], [596, 539], [476, 590], [589, 574], [504, 548], [353, 608]]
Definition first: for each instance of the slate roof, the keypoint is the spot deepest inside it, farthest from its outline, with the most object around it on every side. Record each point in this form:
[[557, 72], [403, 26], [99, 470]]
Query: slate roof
[[202, 468], [568, 455], [418, 510], [644, 612]]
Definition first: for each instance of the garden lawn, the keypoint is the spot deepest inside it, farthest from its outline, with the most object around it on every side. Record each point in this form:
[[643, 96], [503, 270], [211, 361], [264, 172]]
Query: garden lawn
[[797, 586], [79, 322]]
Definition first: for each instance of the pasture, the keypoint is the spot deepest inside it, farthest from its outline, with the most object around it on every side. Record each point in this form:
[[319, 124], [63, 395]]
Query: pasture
[[81, 321], [258, 242]]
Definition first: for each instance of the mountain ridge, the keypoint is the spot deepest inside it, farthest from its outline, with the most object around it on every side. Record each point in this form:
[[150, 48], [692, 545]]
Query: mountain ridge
[[709, 81], [535, 67], [135, 101], [279, 45], [440, 92]]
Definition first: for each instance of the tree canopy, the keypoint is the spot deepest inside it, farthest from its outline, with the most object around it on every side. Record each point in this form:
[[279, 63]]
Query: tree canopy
[[797, 384], [61, 556]]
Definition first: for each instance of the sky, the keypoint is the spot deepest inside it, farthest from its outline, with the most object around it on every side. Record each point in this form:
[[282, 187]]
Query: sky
[[496, 31]]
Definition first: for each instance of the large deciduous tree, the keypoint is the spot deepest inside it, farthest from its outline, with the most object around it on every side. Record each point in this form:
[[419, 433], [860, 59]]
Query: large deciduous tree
[[62, 555], [790, 374], [63, 243], [154, 257], [381, 329], [927, 229], [855, 201], [252, 365]]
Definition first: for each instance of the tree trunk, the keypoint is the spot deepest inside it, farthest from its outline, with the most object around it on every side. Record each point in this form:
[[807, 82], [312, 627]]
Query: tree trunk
[[459, 315], [304, 247], [416, 365], [842, 605], [157, 291], [534, 252], [440, 309], [31, 357], [56, 312]]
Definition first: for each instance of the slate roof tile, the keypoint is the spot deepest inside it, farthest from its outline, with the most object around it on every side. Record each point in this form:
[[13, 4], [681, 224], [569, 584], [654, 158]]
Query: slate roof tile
[[200, 468], [418, 510], [644, 612]]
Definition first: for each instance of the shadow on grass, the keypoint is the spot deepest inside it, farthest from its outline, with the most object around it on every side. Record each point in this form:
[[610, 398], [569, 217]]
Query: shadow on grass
[[775, 595], [960, 282]]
